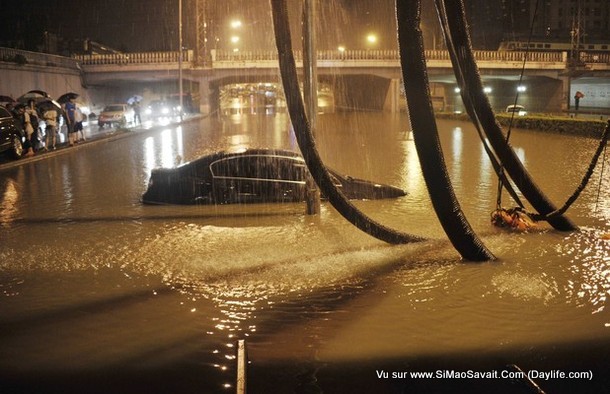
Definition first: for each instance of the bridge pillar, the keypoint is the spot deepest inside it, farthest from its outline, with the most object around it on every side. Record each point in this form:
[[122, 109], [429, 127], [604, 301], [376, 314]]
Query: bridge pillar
[[392, 100], [205, 99], [566, 82]]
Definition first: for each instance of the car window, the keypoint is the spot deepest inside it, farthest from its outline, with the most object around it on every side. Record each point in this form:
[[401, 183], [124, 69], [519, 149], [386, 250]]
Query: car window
[[113, 108], [292, 169], [4, 113], [260, 167]]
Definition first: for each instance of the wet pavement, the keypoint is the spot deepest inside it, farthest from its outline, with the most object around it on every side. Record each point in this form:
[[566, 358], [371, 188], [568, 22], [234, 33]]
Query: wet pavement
[[92, 136]]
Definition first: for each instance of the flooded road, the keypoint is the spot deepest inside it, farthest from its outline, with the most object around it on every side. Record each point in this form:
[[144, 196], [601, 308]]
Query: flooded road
[[103, 294]]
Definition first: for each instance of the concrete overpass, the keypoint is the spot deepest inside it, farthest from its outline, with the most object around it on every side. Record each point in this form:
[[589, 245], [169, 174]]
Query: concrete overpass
[[368, 79], [364, 79]]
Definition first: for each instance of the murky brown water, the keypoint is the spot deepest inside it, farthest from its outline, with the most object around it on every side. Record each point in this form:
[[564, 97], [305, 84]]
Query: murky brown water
[[102, 294]]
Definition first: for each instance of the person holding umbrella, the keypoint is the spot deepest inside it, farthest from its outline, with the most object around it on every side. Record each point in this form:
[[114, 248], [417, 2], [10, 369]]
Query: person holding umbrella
[[50, 118], [70, 109], [24, 118], [30, 109]]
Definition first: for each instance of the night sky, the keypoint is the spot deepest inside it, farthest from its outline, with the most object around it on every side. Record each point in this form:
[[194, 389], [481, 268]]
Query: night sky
[[151, 25], [129, 25]]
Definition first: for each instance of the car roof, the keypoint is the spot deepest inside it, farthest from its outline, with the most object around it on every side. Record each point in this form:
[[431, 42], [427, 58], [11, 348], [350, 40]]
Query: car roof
[[213, 157], [7, 110], [227, 154]]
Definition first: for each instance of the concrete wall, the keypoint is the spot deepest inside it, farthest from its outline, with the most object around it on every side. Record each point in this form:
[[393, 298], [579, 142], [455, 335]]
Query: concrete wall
[[596, 91], [15, 80]]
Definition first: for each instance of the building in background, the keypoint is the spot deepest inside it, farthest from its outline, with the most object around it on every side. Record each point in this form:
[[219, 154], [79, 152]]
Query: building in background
[[557, 20]]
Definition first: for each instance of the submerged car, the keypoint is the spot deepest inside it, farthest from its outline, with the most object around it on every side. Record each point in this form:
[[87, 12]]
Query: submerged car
[[250, 176]]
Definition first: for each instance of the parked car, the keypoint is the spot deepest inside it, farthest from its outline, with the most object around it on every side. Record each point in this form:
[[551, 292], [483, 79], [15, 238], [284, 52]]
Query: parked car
[[12, 135], [519, 109], [250, 176], [116, 114], [160, 109]]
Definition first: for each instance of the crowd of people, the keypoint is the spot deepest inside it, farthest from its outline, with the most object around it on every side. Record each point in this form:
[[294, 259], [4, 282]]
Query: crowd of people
[[42, 124]]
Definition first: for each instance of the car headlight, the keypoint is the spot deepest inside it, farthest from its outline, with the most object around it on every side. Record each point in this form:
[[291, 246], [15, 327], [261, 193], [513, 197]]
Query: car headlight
[[164, 110]]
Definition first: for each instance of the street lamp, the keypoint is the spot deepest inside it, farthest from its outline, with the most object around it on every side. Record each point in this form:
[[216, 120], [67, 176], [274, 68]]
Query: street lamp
[[371, 39], [235, 25]]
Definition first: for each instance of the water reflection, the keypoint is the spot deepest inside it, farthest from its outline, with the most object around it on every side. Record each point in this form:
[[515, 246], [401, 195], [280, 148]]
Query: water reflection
[[168, 152], [590, 266], [149, 154], [167, 148], [457, 146], [67, 174], [8, 206]]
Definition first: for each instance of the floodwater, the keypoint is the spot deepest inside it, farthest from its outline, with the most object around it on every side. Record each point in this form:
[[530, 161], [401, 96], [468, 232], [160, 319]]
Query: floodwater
[[102, 294]]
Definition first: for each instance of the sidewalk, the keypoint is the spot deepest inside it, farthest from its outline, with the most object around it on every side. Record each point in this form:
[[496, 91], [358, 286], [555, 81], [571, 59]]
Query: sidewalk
[[93, 135]]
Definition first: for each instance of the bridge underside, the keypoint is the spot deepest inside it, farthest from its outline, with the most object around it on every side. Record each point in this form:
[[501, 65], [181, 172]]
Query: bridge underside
[[543, 92]]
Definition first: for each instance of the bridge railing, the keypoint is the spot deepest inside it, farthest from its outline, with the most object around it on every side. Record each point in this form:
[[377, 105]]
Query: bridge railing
[[135, 58], [389, 54], [595, 57], [7, 54], [22, 57]]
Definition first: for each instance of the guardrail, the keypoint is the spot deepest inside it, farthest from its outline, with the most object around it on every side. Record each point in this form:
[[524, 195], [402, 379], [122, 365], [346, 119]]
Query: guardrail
[[21, 57], [26, 57]]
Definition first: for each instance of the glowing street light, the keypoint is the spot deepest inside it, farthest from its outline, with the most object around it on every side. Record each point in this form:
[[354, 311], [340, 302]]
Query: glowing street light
[[371, 39], [341, 48], [234, 39], [235, 24], [521, 88]]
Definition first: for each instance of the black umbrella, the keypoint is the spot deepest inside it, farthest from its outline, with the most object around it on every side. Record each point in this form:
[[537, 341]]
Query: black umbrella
[[48, 104], [7, 99], [36, 95], [38, 92], [64, 98]]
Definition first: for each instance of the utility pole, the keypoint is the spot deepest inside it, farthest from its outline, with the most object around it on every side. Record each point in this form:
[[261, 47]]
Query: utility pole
[[180, 57], [577, 34], [310, 89], [201, 33]]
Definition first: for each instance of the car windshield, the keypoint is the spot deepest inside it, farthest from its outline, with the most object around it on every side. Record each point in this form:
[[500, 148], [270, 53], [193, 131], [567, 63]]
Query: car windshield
[[113, 108]]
